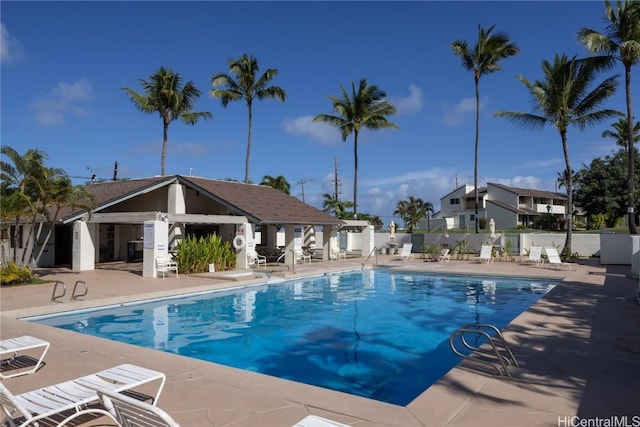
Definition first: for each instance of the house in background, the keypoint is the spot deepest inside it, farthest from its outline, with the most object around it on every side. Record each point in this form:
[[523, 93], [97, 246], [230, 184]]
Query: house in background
[[509, 207], [459, 205]]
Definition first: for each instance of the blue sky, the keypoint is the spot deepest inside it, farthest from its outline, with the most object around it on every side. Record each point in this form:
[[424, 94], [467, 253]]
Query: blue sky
[[63, 64]]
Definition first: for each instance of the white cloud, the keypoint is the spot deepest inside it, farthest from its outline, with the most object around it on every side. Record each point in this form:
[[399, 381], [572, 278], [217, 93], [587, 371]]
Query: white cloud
[[528, 181], [189, 149], [10, 48], [320, 132], [464, 110], [409, 104], [63, 100]]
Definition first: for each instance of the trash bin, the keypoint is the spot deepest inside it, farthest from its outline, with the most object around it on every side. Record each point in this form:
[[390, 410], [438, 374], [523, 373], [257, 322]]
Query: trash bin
[[134, 251]]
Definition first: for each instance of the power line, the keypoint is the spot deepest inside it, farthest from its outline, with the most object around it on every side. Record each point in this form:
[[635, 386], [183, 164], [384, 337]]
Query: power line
[[302, 182]]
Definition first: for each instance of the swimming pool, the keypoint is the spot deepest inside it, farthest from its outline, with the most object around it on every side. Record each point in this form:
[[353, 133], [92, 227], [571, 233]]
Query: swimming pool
[[377, 333]]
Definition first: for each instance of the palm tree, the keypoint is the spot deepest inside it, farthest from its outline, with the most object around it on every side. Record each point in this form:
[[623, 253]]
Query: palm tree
[[35, 194], [279, 183], [412, 211], [483, 59], [242, 82], [165, 94], [621, 40], [338, 207], [364, 108], [620, 131], [562, 99]]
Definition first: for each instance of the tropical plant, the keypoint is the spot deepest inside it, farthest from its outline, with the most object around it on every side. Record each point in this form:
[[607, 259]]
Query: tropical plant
[[194, 254], [339, 207], [601, 188], [619, 133], [483, 59], [621, 41], [412, 211], [14, 275], [563, 98], [34, 195], [365, 108], [164, 94], [243, 82], [279, 183]]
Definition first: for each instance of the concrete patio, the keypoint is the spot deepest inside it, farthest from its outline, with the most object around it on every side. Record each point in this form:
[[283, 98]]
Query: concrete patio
[[579, 350]]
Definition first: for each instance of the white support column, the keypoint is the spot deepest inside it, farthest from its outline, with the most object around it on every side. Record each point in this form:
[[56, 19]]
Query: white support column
[[289, 243], [176, 204], [240, 243], [367, 240], [155, 244], [83, 251], [329, 240]]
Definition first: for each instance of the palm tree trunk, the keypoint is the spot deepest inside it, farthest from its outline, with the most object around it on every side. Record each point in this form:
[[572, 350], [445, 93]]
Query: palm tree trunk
[[566, 251], [475, 166], [631, 217], [246, 161], [355, 174], [165, 137]]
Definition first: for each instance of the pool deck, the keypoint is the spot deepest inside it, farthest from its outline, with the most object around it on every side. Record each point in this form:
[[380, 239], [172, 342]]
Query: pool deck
[[578, 347]]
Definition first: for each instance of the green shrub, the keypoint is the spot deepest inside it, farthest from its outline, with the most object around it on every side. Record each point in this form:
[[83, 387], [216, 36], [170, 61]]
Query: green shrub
[[482, 223], [196, 253], [14, 275]]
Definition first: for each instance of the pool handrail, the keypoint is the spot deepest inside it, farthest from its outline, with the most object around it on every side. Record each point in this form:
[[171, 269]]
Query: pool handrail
[[373, 251]]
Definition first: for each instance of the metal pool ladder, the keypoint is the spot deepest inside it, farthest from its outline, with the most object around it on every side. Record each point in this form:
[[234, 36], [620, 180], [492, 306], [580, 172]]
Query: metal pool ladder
[[491, 349], [74, 295], [373, 251]]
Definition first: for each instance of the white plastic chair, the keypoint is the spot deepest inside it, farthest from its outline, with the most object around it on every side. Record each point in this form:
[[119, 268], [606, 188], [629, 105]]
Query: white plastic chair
[[16, 347], [130, 412], [165, 264], [485, 255], [535, 256], [405, 252], [73, 396]]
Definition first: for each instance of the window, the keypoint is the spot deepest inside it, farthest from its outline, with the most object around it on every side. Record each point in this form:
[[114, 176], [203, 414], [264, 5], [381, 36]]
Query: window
[[455, 201], [472, 217]]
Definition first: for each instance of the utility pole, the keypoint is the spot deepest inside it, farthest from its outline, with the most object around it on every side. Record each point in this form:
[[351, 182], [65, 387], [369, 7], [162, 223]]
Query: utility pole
[[301, 182]]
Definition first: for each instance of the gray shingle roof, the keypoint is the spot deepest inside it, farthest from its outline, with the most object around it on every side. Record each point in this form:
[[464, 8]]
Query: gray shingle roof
[[262, 204]]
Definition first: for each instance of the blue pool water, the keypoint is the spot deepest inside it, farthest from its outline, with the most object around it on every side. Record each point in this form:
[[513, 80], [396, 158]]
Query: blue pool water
[[376, 333]]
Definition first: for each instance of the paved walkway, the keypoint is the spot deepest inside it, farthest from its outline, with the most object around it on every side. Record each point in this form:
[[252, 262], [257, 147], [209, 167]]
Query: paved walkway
[[579, 349]]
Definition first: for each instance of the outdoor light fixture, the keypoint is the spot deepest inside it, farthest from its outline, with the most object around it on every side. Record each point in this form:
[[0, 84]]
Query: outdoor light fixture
[[549, 217]]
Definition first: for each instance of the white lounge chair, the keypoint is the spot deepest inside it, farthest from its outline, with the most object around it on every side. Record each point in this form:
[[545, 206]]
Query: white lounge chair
[[165, 264], [301, 256], [535, 256], [444, 255], [485, 255], [70, 398], [337, 253], [132, 412], [554, 259], [405, 252], [254, 258], [316, 421], [20, 348]]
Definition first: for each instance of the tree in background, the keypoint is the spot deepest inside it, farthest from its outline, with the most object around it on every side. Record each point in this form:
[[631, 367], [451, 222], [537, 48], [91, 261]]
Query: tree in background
[[279, 183], [412, 211], [338, 207], [483, 59], [621, 40], [33, 194], [563, 98], [619, 133], [364, 108], [243, 82], [164, 94], [600, 190]]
